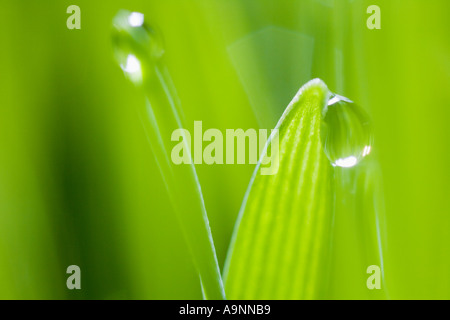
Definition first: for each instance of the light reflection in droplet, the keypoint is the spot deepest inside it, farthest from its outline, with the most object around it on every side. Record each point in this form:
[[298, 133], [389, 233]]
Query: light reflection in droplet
[[133, 68], [337, 98], [346, 162], [366, 151], [136, 19]]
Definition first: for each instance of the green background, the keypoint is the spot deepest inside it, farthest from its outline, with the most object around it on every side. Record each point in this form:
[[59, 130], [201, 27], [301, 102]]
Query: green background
[[79, 185]]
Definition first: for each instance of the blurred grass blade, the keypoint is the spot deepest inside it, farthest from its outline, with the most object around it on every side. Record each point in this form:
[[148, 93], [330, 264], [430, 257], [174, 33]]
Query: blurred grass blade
[[139, 51], [284, 60], [359, 232], [282, 236]]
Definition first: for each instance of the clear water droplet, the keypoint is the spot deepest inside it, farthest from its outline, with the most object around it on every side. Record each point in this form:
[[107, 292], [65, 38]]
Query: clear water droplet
[[137, 47], [346, 132]]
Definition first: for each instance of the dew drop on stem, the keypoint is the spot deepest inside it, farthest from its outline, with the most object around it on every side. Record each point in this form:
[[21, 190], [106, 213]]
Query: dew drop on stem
[[137, 47]]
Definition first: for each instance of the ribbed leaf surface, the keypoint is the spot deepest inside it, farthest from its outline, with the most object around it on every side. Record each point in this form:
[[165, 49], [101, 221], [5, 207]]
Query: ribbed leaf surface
[[281, 239]]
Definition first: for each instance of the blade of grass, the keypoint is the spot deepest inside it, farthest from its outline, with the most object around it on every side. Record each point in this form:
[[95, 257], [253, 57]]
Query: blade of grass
[[281, 239], [160, 117]]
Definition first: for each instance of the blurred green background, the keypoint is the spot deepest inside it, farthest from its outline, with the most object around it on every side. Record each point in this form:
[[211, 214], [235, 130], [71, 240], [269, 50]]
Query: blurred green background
[[79, 185]]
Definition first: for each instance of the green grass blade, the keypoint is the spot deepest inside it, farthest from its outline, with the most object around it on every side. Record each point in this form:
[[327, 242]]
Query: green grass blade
[[161, 117], [282, 236]]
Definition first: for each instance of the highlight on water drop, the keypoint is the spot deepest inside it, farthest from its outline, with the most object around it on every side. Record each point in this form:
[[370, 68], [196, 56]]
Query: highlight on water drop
[[136, 19], [346, 132]]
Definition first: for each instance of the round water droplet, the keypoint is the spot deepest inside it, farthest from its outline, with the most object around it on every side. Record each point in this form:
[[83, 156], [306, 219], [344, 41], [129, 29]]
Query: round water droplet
[[137, 47], [346, 132]]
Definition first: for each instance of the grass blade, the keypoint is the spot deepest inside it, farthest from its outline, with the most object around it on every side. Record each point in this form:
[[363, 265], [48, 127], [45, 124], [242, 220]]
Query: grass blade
[[279, 245], [139, 51]]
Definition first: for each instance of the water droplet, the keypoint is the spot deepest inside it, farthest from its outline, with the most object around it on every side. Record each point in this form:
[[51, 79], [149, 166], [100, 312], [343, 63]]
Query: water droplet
[[346, 132], [137, 47]]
